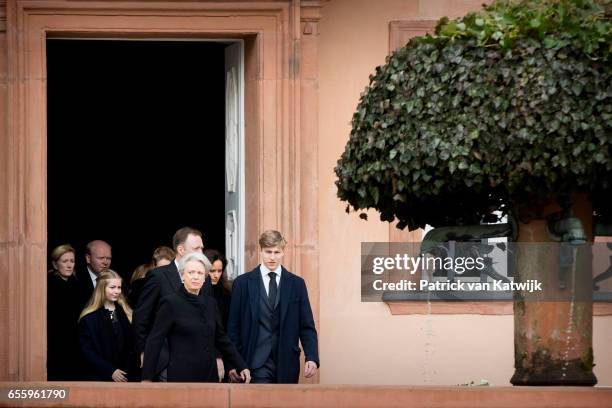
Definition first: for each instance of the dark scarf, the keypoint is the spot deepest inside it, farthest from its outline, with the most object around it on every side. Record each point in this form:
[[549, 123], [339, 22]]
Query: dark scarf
[[197, 301]]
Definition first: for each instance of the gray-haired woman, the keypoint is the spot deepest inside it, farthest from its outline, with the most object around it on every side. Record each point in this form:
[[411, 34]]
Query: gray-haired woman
[[193, 327]]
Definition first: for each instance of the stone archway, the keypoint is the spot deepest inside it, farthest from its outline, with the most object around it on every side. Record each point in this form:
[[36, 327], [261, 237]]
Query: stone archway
[[280, 131]]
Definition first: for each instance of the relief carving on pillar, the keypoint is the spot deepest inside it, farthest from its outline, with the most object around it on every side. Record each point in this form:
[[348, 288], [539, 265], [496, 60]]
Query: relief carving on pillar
[[310, 14]]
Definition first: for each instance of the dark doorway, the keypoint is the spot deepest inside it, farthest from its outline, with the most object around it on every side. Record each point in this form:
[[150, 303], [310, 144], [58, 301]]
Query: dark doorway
[[135, 144]]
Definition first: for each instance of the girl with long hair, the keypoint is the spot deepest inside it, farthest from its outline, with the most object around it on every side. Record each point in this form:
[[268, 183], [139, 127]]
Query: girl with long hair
[[105, 332]]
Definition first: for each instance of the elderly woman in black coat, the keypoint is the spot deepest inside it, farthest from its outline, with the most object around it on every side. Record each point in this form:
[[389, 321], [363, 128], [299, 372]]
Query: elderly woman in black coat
[[192, 324]]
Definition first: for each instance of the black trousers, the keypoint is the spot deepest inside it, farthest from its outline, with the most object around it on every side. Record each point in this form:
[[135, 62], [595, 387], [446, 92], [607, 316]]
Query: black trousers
[[266, 374], [163, 375]]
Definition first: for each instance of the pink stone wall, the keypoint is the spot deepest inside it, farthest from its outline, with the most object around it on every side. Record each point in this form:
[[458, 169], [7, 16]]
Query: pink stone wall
[[362, 343]]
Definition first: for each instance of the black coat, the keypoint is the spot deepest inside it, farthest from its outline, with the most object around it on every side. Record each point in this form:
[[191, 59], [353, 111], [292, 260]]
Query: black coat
[[103, 349], [159, 283], [63, 308], [224, 299], [86, 286], [135, 291], [193, 327]]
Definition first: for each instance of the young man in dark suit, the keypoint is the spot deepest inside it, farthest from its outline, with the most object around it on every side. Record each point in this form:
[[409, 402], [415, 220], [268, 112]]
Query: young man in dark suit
[[161, 282], [269, 315]]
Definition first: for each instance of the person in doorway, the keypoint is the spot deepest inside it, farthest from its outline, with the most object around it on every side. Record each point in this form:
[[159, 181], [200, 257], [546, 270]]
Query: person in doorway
[[221, 291], [162, 256], [221, 288], [98, 256], [161, 282], [105, 333], [192, 325], [269, 315], [137, 282], [63, 308]]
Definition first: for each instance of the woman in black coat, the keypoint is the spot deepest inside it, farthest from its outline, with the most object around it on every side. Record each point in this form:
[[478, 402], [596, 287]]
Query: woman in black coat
[[221, 291], [192, 324], [221, 288], [63, 308], [105, 333]]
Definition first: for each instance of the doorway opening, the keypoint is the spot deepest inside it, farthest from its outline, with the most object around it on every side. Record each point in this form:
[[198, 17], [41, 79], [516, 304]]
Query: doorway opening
[[136, 144]]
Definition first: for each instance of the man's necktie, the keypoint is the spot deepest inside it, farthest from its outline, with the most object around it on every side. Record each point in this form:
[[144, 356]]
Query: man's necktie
[[272, 289]]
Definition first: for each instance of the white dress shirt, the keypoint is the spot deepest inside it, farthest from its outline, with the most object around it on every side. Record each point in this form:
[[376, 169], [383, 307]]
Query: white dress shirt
[[93, 277], [177, 268], [266, 278]]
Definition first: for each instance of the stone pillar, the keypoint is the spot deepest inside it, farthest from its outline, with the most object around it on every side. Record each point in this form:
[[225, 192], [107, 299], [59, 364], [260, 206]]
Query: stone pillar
[[5, 240], [307, 148], [553, 333]]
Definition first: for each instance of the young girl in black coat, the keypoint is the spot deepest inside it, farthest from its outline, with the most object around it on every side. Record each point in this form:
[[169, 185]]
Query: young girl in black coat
[[105, 333]]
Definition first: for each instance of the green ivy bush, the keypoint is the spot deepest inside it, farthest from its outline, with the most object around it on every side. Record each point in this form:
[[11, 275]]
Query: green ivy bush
[[506, 106]]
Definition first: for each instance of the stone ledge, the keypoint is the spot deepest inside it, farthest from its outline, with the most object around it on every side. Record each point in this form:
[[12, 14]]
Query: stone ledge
[[134, 395], [476, 307]]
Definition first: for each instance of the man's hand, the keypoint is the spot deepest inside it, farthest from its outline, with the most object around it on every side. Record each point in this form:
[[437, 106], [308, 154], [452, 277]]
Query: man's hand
[[119, 376], [310, 369], [234, 376], [220, 369], [245, 375]]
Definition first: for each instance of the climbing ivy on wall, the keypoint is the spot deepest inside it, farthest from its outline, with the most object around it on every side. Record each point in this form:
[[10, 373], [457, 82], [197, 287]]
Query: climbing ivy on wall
[[496, 109]]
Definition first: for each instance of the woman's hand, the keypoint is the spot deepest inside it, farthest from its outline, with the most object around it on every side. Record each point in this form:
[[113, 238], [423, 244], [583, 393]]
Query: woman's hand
[[220, 369], [245, 375], [119, 376], [234, 377]]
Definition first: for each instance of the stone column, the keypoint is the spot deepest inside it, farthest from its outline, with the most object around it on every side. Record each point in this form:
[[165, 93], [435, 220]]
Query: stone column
[[307, 148], [553, 330], [5, 240]]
